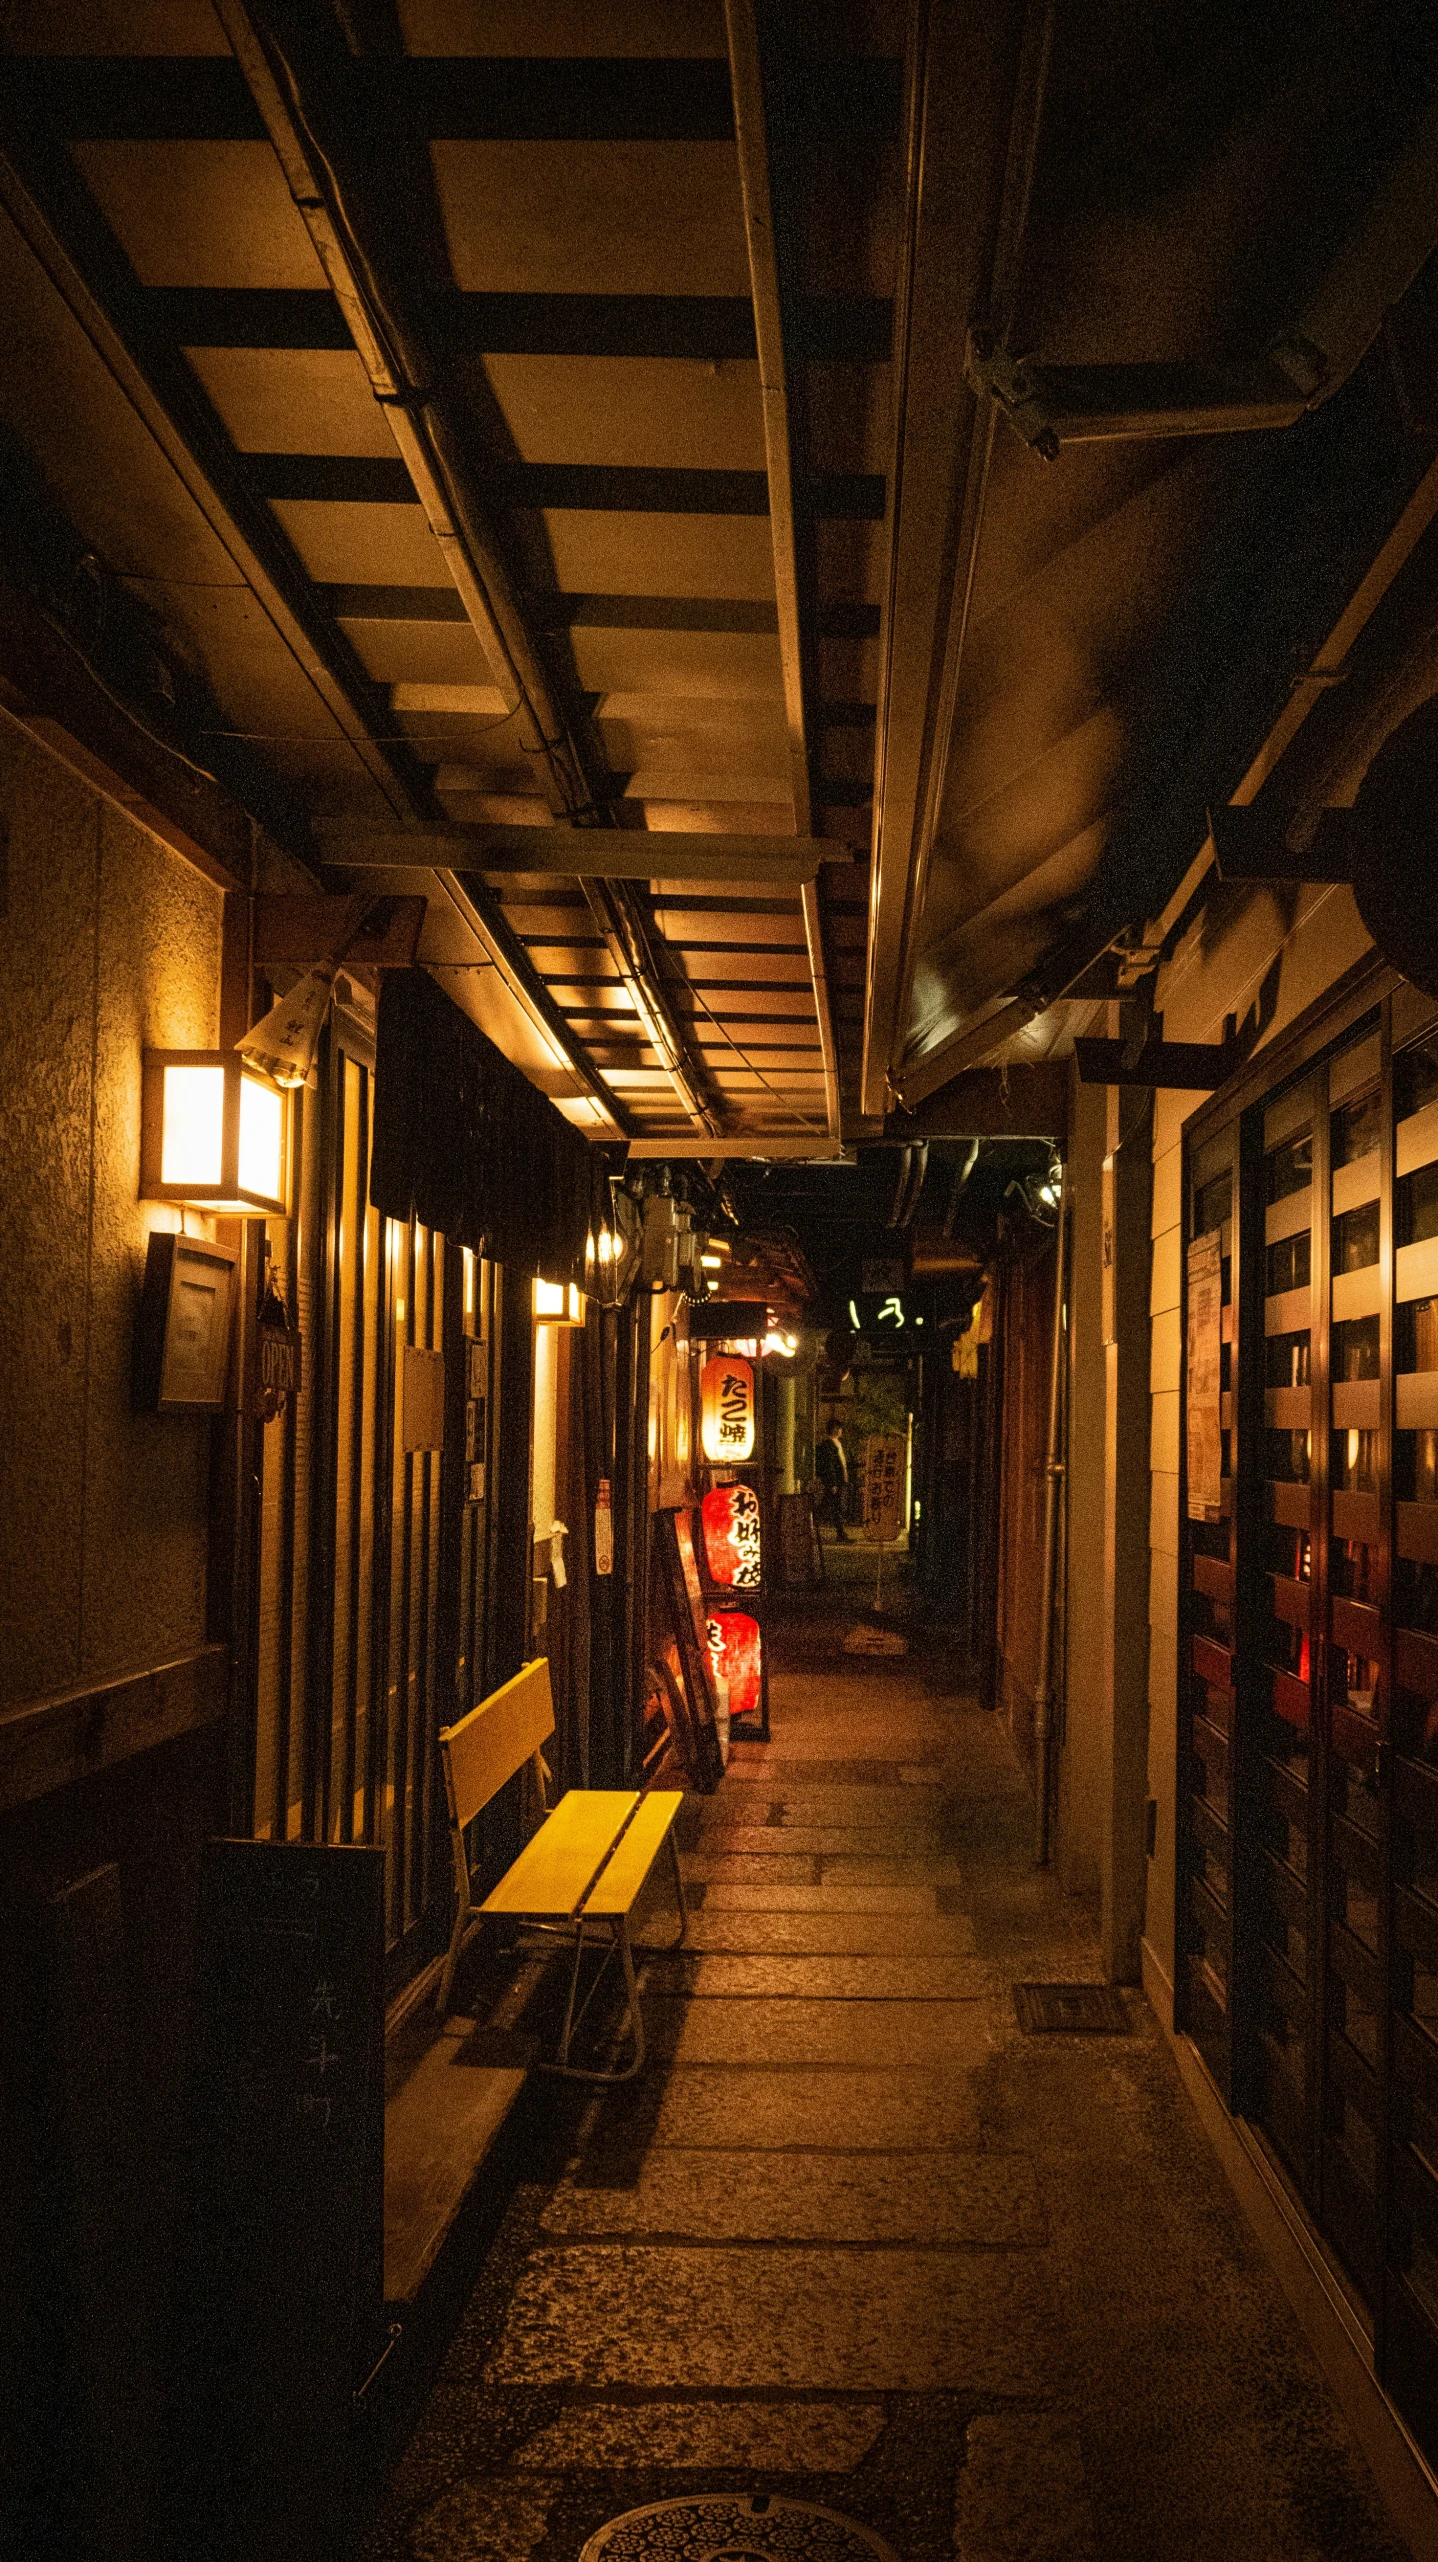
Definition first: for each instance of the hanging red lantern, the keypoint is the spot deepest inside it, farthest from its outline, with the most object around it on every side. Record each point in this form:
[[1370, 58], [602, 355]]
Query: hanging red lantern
[[731, 1536], [736, 1651], [726, 1406]]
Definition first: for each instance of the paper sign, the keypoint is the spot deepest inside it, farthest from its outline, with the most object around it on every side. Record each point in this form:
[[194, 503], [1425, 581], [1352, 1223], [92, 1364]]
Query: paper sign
[[1205, 1338]]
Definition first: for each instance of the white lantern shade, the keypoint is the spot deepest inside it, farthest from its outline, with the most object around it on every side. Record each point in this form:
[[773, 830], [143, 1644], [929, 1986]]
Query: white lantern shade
[[213, 1135]]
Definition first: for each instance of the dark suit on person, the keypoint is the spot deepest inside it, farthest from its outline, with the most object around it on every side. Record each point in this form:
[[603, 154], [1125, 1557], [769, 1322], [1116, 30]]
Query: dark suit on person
[[832, 1470]]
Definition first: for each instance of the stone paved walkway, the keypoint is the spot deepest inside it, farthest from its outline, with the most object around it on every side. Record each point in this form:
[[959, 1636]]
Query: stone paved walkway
[[856, 2240]]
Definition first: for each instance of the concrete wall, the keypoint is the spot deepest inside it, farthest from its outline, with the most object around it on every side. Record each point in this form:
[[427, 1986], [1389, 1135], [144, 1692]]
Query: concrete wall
[[109, 943], [1307, 939]]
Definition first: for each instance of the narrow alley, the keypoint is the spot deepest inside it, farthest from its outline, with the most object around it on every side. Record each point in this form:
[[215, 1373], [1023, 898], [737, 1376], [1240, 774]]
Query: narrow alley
[[719, 1180], [858, 2241]]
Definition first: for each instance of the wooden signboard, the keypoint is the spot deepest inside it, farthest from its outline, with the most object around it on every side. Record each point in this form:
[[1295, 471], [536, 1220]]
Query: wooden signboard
[[1203, 1376], [885, 1454], [287, 2275], [683, 1638]]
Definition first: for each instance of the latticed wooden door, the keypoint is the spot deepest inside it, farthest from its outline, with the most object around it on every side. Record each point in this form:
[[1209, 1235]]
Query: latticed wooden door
[[1307, 1963]]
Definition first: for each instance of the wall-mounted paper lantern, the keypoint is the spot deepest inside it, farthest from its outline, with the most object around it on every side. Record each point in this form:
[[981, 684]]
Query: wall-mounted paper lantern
[[732, 1537], [726, 1398], [213, 1134], [736, 1651], [558, 1303]]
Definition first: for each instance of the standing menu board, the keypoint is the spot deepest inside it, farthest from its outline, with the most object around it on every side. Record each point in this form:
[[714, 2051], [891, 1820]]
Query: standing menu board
[[287, 2255]]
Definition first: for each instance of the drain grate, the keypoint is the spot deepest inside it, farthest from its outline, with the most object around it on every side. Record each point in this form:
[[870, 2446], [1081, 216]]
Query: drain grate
[[1093, 2010], [738, 2528]]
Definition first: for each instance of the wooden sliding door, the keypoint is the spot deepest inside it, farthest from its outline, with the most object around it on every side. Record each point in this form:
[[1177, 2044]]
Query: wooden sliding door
[[1307, 1964]]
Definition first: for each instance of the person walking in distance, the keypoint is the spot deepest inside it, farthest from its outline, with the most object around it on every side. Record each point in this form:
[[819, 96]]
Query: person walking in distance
[[832, 1468]]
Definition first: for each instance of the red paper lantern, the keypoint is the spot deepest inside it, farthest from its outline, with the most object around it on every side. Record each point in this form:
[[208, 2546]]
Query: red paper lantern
[[726, 1409], [731, 1537], [736, 1651]]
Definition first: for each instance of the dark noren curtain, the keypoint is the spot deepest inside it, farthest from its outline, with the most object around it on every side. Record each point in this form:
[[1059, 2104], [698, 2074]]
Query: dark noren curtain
[[464, 1142]]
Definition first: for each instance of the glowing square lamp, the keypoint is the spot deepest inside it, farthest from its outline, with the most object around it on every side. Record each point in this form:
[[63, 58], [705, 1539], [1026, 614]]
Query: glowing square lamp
[[558, 1303], [213, 1134]]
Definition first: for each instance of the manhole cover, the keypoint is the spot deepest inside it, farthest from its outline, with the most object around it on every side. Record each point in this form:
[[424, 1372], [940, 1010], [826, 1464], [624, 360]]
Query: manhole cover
[[1091, 2009], [737, 2528]]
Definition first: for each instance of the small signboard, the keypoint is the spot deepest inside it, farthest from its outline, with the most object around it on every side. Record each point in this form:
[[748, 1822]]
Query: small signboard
[[1204, 1373], [884, 1469]]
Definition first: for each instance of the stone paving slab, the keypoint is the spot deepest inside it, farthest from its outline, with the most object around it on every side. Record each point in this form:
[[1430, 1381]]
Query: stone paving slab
[[744, 1893], [816, 2105], [876, 2034], [734, 1868], [895, 1936], [822, 1841], [1021, 2495], [870, 1868], [831, 1977], [772, 2437], [883, 1808], [983, 2199], [867, 2321], [863, 1734]]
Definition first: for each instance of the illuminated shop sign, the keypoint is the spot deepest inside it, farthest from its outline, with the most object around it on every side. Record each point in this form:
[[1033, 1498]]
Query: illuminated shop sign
[[887, 1315], [731, 1537], [726, 1399], [736, 1651]]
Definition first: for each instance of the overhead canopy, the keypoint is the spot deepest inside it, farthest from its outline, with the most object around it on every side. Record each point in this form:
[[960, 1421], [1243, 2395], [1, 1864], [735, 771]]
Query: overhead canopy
[[612, 423]]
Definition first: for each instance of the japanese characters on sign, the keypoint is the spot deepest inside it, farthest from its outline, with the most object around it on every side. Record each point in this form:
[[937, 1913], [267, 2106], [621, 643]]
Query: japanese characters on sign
[[732, 1537], [736, 1652], [1204, 1377], [885, 1454], [726, 1394]]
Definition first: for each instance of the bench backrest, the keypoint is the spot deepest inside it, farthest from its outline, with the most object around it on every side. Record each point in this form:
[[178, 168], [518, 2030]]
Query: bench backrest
[[496, 1739]]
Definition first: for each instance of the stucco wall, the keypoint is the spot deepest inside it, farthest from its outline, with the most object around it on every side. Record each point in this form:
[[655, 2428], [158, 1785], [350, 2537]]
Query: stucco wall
[[109, 943], [1313, 936]]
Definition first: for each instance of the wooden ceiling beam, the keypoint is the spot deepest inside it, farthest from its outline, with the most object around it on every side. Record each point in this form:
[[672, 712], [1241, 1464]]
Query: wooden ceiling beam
[[717, 328], [975, 90], [746, 67], [590, 853], [300, 76]]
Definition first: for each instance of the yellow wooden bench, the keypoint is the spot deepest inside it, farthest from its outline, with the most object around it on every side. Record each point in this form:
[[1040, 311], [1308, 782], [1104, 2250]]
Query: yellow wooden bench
[[587, 1864]]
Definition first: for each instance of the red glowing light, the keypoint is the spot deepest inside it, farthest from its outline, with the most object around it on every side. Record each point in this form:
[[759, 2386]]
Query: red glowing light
[[731, 1537], [736, 1651]]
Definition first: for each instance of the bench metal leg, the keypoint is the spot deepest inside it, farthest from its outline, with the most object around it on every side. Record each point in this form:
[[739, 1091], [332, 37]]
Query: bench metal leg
[[667, 1947], [583, 2072]]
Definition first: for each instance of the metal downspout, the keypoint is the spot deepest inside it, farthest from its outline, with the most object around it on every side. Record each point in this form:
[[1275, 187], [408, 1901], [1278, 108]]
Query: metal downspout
[[1053, 1480]]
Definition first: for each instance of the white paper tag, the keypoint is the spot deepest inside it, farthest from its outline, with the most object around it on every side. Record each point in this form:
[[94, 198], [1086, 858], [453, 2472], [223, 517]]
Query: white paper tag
[[604, 1531], [557, 1536]]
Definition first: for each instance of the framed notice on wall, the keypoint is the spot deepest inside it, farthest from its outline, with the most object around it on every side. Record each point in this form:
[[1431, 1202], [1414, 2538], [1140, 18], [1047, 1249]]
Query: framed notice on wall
[[182, 1343], [1203, 1381]]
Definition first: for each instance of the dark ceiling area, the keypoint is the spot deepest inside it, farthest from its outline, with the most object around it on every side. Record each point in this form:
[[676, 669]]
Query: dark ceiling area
[[781, 524], [919, 1223]]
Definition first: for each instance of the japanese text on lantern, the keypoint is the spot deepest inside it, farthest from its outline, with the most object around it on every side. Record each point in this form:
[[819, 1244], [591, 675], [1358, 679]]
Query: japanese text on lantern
[[736, 1652], [726, 1395], [732, 1536]]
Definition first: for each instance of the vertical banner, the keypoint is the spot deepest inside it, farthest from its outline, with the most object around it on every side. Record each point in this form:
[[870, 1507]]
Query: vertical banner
[[884, 1457], [1203, 1379]]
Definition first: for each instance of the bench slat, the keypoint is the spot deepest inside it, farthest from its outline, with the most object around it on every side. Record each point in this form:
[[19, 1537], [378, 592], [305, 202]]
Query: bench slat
[[551, 1876], [622, 1878], [498, 1737]]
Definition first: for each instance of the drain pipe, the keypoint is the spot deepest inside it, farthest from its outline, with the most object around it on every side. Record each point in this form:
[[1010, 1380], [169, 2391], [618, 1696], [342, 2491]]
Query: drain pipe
[[1053, 1482]]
